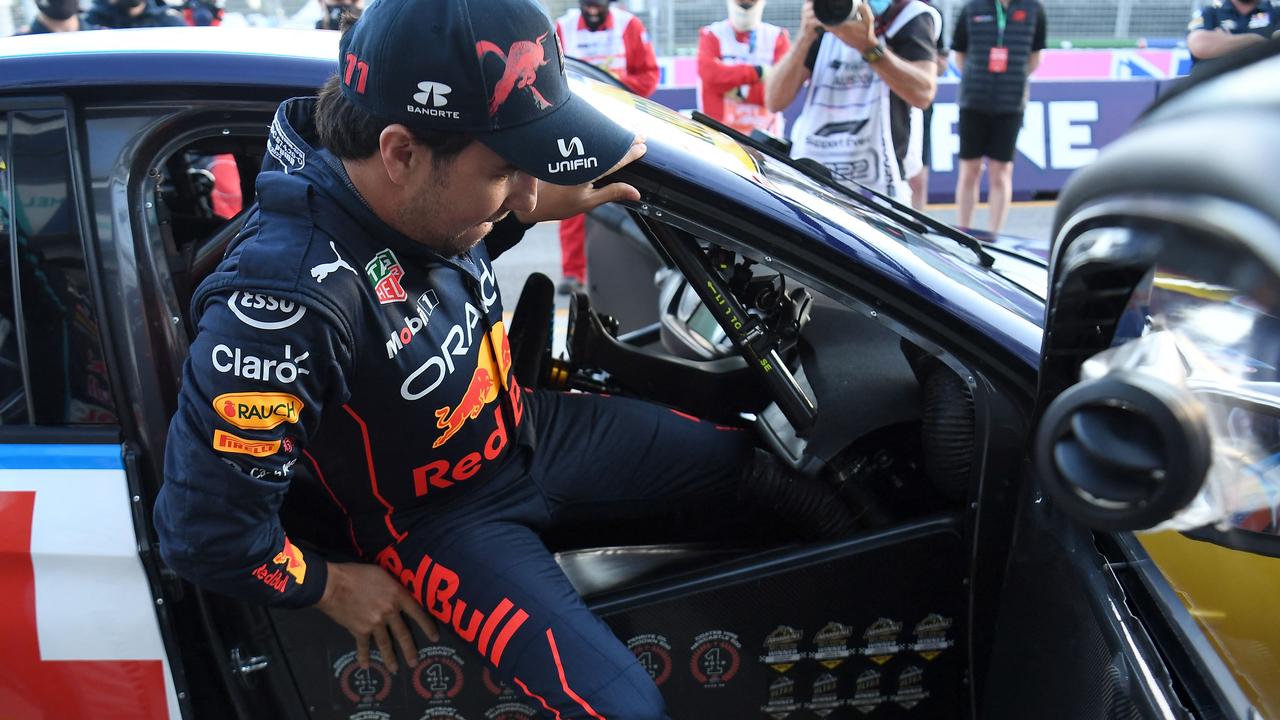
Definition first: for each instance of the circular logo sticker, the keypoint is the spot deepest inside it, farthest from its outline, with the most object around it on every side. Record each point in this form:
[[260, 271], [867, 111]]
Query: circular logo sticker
[[438, 676], [716, 658], [365, 685], [654, 654]]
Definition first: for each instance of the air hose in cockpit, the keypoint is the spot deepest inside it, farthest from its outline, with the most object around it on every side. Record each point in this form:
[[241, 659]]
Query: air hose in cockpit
[[948, 430]]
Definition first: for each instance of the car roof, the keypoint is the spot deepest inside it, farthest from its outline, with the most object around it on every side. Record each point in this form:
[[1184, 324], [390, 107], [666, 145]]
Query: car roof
[[297, 61], [185, 56]]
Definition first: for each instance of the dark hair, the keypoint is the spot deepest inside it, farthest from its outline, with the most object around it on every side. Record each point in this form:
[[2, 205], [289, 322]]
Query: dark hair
[[351, 133]]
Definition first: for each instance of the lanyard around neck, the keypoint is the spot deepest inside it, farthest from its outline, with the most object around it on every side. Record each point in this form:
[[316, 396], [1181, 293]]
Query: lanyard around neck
[[1000, 23]]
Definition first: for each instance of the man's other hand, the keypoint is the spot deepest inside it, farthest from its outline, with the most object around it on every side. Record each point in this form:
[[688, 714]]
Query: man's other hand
[[368, 602], [809, 24], [557, 202], [859, 31]]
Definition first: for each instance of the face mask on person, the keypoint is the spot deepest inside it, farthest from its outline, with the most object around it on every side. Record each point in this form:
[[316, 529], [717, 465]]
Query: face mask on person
[[745, 17], [594, 12], [879, 6], [59, 9]]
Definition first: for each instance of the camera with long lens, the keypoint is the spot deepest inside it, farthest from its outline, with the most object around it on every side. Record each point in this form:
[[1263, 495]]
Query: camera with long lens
[[334, 13], [834, 12], [333, 16]]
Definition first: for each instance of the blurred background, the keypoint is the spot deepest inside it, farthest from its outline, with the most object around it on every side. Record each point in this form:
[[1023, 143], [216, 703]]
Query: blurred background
[[673, 24]]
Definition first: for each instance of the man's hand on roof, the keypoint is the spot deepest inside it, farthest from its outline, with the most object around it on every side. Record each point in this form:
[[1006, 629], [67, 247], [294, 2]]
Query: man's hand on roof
[[557, 202]]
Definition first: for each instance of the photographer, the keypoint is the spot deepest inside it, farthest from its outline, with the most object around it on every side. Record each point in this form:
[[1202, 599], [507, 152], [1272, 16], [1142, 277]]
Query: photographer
[[866, 69], [331, 19], [122, 14], [57, 16]]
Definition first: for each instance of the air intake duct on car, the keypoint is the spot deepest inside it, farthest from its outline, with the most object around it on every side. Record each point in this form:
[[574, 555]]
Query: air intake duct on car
[[1123, 452], [948, 429]]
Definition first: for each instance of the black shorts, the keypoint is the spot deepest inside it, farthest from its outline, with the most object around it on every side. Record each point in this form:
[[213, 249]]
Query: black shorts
[[926, 144], [986, 135]]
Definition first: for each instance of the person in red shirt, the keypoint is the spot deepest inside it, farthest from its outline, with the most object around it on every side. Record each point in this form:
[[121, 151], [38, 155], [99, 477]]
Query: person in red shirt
[[733, 57], [615, 41]]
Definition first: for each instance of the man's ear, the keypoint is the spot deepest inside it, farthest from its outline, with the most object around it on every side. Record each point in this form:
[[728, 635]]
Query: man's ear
[[402, 155]]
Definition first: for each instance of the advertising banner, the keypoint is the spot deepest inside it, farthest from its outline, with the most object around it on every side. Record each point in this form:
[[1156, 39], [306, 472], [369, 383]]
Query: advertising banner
[[1063, 128], [1080, 101], [1065, 125]]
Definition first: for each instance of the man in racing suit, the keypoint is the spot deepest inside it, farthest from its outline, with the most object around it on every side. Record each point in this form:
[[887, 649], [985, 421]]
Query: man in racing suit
[[354, 332], [615, 41]]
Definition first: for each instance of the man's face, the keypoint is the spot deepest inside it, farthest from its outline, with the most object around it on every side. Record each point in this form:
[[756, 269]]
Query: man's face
[[458, 201], [745, 15], [132, 8], [594, 12]]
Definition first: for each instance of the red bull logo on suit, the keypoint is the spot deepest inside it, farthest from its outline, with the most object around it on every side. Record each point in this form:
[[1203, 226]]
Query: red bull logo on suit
[[491, 374], [436, 588], [277, 578]]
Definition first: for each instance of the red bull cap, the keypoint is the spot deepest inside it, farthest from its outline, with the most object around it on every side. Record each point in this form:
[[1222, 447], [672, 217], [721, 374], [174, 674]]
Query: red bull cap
[[491, 68]]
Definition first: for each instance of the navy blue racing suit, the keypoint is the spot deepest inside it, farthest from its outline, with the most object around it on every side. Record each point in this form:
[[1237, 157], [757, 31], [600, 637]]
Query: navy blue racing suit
[[330, 343]]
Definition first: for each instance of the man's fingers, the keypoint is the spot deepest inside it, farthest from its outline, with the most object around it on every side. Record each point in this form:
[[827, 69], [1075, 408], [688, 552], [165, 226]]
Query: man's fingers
[[362, 651], [636, 150], [613, 192], [384, 648], [404, 639], [866, 17], [419, 616]]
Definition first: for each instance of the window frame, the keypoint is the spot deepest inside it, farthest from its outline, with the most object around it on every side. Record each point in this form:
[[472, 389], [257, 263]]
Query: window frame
[[200, 125], [9, 105], [82, 225]]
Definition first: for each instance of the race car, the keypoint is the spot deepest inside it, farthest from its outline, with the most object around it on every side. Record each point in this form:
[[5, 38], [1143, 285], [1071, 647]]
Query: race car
[[1063, 455]]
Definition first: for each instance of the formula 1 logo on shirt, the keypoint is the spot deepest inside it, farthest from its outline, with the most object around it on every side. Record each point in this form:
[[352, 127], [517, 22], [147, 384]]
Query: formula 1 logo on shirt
[[384, 272]]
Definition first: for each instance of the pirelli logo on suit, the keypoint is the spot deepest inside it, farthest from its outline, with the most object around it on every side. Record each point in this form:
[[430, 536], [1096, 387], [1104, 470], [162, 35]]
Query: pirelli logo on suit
[[226, 442]]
